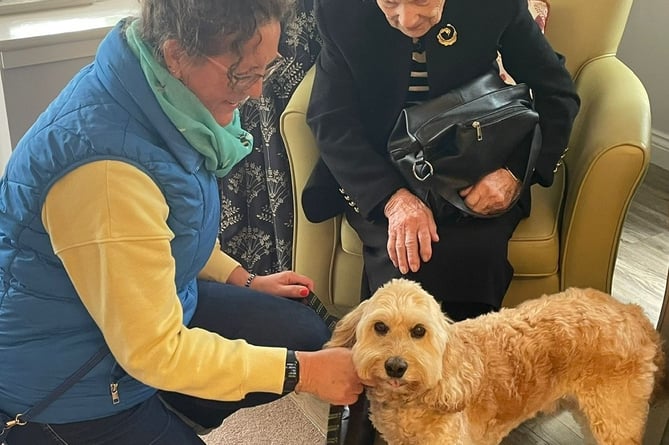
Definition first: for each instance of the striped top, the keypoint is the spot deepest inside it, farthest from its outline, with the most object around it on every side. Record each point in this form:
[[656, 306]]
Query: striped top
[[418, 85]]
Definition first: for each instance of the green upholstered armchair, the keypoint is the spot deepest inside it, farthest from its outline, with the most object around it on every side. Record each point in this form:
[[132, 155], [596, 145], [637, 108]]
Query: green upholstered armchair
[[571, 238]]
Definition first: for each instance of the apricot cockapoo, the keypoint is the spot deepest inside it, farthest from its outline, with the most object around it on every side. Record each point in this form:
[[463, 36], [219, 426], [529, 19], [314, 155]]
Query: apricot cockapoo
[[470, 383]]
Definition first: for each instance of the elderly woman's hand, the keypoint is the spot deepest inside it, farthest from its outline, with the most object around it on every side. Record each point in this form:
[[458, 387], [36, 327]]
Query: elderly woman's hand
[[493, 193], [411, 231]]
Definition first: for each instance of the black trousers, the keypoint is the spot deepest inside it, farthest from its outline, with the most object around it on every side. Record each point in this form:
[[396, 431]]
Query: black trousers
[[469, 271]]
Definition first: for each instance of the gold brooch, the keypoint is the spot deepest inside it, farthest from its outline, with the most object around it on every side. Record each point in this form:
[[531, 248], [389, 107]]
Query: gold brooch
[[447, 36]]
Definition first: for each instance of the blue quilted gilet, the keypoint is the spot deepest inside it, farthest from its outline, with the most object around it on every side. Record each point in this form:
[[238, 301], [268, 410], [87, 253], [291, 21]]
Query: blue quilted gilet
[[106, 112]]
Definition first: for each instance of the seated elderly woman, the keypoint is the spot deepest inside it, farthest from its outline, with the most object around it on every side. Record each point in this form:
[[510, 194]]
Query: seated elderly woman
[[397, 53]]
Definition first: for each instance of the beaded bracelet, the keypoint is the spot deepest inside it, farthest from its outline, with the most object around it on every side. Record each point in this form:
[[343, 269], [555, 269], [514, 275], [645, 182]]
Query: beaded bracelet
[[250, 279]]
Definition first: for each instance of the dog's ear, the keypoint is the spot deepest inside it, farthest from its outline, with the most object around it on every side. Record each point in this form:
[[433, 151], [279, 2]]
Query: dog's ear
[[344, 331]]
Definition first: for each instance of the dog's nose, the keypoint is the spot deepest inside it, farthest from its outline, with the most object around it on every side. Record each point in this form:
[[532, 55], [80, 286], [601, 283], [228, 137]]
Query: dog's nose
[[396, 367]]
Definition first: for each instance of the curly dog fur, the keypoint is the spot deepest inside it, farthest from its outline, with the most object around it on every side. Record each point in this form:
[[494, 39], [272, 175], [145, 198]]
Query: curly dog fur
[[472, 382]]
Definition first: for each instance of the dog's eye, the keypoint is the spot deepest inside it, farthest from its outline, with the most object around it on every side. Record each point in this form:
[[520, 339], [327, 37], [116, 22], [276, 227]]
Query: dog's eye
[[380, 328], [418, 331]]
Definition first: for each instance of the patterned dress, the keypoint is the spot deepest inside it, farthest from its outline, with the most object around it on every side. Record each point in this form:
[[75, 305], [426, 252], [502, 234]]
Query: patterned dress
[[256, 199]]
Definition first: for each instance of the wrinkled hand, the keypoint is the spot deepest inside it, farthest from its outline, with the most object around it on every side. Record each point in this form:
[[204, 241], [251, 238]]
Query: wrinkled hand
[[411, 231], [287, 284], [493, 193], [329, 374]]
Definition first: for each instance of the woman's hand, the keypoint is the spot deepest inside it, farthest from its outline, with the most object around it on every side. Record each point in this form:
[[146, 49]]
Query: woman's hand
[[286, 284], [411, 231], [329, 374], [493, 193]]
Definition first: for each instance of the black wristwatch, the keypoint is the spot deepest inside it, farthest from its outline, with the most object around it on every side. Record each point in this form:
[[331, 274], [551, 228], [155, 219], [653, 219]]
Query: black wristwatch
[[292, 375]]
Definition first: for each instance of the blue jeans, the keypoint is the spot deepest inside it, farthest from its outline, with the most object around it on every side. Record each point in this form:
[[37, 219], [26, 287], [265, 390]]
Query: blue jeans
[[261, 320], [147, 423], [231, 311]]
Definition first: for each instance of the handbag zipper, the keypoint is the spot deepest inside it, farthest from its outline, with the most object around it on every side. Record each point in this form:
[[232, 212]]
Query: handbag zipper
[[478, 125]]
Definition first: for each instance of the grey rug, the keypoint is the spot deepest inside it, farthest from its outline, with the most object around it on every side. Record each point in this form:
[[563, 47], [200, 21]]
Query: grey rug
[[296, 419]]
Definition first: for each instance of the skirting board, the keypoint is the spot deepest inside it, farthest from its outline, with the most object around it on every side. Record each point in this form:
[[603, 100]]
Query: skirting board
[[660, 149]]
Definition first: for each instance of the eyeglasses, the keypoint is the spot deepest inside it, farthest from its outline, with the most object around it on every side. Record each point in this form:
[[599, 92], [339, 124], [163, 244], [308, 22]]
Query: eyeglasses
[[243, 82]]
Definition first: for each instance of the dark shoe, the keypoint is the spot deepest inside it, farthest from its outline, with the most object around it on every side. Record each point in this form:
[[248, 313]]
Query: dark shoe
[[360, 430]]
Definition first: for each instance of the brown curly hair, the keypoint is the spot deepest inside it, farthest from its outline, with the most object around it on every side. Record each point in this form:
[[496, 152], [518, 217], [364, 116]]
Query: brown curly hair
[[208, 27]]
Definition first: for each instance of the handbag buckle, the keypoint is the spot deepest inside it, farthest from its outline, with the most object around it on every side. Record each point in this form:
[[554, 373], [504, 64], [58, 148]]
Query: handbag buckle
[[419, 169]]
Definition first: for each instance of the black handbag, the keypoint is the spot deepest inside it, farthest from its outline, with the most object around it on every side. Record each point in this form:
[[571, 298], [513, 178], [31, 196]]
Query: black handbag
[[448, 143]]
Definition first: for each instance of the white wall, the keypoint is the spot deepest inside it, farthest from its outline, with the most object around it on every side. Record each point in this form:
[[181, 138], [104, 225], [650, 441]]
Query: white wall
[[5, 142], [41, 82], [645, 49], [40, 52]]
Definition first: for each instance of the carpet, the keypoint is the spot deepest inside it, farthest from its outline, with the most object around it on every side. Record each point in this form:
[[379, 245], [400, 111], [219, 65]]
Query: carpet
[[296, 419]]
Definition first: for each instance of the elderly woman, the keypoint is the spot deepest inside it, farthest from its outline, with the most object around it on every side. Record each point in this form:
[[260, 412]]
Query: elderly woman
[[396, 53], [109, 215]]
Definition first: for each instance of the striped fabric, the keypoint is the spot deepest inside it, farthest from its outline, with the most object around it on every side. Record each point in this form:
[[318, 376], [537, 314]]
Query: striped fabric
[[418, 86], [334, 425], [333, 436], [316, 304]]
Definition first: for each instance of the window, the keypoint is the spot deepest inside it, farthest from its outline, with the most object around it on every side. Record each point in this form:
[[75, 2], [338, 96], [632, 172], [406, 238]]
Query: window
[[21, 6]]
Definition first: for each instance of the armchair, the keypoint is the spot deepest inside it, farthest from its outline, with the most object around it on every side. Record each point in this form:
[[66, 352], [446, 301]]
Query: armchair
[[571, 237]]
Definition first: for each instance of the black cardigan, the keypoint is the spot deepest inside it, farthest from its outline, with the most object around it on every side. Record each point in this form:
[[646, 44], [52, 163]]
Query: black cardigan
[[361, 82]]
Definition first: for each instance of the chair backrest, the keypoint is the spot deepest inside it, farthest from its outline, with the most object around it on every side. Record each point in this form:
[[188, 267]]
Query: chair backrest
[[610, 142], [584, 30]]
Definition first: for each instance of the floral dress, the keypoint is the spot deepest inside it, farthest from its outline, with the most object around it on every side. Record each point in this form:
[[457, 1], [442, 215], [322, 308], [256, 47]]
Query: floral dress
[[256, 198]]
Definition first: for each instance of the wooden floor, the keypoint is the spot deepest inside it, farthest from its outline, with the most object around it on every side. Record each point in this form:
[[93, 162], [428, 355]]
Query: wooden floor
[[640, 276]]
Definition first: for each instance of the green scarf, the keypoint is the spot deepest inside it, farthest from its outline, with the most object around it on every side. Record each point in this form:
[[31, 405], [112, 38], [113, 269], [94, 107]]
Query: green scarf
[[223, 147]]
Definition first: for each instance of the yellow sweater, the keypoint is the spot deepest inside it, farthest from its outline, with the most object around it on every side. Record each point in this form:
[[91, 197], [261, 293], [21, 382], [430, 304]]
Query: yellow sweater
[[116, 250]]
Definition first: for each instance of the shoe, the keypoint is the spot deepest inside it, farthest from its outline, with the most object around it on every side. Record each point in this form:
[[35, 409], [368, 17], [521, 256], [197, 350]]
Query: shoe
[[359, 429], [345, 415]]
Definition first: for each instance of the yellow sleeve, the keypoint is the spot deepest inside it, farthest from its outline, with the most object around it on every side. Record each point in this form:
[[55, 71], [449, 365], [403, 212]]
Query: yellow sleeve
[[219, 266], [107, 224]]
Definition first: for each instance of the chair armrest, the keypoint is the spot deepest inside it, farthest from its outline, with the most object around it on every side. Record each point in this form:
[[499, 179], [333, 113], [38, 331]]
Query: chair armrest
[[313, 244], [608, 157]]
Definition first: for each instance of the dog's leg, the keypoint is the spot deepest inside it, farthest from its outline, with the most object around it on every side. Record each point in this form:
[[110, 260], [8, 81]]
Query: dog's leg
[[615, 420]]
